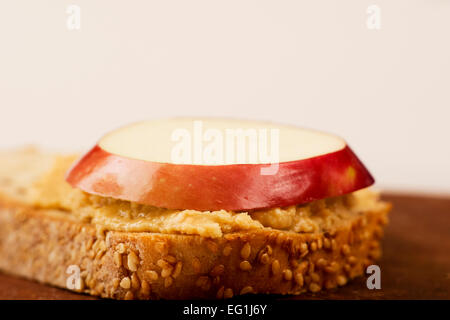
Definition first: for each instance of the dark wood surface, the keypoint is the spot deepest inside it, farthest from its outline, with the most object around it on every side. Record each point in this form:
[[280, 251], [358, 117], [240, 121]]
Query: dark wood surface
[[415, 263]]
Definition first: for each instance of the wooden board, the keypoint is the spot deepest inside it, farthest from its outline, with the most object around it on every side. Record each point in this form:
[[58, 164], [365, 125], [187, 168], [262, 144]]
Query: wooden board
[[415, 263]]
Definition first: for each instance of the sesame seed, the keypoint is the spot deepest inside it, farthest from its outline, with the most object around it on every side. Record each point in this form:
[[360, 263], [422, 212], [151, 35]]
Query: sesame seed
[[163, 264], [245, 265], [315, 276], [326, 243], [314, 287], [304, 253], [228, 293], [91, 283], [166, 272], [135, 283], [247, 289], [341, 280], [321, 263], [333, 245], [133, 261], [345, 249], [352, 260], [264, 259], [100, 232], [287, 274], [347, 267], [108, 239], [303, 247], [217, 270], [275, 267], [330, 284], [226, 251], [319, 243], [220, 292], [100, 254], [152, 275], [88, 244], [170, 259], [303, 266], [177, 270], [125, 283], [168, 282], [102, 246], [116, 283], [311, 267], [245, 251], [95, 245], [299, 279], [269, 250], [332, 267], [313, 246], [204, 283], [145, 288], [201, 281]]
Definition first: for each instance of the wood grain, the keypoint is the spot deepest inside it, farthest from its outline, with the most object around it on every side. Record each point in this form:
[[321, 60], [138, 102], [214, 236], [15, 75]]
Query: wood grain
[[415, 263]]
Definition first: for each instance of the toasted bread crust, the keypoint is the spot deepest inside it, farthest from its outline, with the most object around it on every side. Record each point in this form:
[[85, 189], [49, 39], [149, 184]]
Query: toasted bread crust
[[42, 244]]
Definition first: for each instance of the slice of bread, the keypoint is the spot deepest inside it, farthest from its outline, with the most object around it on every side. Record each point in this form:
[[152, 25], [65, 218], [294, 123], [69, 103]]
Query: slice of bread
[[51, 246]]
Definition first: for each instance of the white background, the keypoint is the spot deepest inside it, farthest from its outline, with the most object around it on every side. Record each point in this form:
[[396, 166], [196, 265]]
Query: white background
[[309, 63]]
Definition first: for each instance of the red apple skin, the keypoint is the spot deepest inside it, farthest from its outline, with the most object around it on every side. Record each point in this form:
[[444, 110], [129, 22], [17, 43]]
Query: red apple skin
[[236, 187]]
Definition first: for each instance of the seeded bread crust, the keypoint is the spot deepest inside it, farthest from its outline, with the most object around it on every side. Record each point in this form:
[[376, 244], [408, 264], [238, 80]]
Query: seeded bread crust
[[42, 244]]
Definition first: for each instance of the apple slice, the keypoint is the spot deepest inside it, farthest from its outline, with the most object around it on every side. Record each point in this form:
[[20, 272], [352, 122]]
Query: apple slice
[[213, 164]]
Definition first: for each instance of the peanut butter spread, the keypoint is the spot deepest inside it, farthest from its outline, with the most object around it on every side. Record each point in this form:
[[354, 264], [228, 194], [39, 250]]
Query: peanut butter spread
[[52, 192]]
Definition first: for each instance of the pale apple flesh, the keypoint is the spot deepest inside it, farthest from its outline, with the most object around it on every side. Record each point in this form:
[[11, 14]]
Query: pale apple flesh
[[109, 171], [155, 141]]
